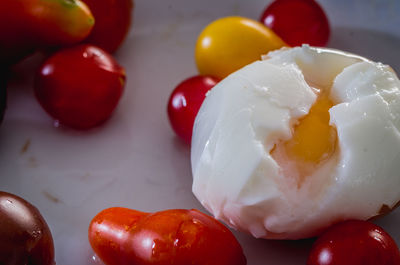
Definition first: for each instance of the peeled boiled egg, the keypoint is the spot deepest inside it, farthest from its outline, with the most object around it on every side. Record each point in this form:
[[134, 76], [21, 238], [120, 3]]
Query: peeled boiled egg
[[304, 138]]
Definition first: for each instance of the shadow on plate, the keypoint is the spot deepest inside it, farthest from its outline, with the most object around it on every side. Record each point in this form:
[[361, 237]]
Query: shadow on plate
[[288, 252]]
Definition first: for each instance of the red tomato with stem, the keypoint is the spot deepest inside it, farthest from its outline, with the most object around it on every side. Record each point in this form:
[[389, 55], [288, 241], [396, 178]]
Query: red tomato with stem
[[80, 86], [113, 20], [354, 243], [185, 102], [122, 236], [297, 22]]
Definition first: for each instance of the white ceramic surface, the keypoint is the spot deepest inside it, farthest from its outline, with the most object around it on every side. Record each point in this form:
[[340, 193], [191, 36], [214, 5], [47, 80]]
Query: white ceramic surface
[[134, 160]]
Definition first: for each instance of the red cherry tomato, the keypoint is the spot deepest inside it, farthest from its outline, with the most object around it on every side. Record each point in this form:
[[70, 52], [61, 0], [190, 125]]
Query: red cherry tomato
[[354, 243], [80, 86], [26, 26], [122, 236], [113, 20], [297, 22], [185, 102]]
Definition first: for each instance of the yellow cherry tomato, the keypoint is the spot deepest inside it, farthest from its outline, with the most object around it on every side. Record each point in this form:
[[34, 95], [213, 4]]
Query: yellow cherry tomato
[[230, 43]]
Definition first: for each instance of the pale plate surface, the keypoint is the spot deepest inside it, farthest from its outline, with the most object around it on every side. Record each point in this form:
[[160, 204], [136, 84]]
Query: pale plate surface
[[134, 160]]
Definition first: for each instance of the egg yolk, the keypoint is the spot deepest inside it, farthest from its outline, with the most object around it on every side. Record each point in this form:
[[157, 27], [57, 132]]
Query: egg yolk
[[313, 141]]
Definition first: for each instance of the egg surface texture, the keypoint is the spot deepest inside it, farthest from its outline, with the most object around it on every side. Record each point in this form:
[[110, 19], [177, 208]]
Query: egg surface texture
[[304, 138]]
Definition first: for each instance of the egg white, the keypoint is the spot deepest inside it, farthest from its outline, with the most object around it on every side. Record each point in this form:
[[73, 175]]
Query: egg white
[[246, 114]]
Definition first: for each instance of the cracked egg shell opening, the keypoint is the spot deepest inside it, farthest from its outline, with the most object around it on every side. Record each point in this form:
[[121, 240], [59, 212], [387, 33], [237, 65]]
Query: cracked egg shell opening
[[304, 138]]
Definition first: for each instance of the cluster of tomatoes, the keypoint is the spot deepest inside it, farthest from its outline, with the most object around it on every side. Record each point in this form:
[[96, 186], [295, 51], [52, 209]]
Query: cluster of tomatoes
[[230, 43], [79, 84], [178, 237]]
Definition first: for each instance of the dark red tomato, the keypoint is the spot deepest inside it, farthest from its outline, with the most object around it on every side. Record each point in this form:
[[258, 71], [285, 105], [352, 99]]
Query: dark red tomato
[[185, 102], [80, 86], [113, 20], [298, 22], [121, 236], [354, 243], [3, 92], [25, 237]]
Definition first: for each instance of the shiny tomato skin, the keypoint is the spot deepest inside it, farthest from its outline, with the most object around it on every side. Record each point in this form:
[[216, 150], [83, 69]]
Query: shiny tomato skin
[[80, 86], [26, 26], [185, 102], [229, 43], [25, 237], [297, 22], [122, 236], [354, 243], [109, 233], [113, 20]]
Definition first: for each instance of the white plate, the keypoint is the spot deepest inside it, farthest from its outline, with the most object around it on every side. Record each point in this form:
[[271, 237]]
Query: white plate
[[135, 160]]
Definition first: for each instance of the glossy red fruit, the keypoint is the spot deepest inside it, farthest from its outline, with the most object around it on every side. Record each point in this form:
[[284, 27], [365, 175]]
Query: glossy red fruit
[[122, 236], [113, 20], [80, 86], [354, 243], [27, 26], [25, 237], [185, 102], [298, 22]]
